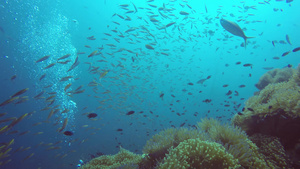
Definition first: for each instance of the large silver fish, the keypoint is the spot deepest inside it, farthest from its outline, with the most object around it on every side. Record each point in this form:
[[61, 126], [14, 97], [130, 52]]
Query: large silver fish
[[234, 29]]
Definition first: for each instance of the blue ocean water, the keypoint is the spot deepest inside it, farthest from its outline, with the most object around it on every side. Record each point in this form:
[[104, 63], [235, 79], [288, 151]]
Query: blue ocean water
[[176, 83]]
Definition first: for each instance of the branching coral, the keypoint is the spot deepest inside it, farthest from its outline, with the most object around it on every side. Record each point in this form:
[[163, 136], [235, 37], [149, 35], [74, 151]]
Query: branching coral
[[124, 159]]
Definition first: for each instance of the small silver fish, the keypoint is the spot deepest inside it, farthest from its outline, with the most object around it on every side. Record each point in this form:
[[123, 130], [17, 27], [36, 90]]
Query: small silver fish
[[288, 39]]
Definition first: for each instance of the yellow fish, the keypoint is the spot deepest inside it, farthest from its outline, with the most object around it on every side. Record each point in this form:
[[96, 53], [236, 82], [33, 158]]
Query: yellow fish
[[103, 74]]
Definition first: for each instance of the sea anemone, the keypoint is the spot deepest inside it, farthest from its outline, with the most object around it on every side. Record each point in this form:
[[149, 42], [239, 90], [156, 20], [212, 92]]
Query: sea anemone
[[124, 158], [195, 153]]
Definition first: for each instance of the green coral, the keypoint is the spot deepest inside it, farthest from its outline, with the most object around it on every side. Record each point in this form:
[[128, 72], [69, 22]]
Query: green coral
[[124, 159], [195, 153], [235, 141], [232, 139], [158, 146]]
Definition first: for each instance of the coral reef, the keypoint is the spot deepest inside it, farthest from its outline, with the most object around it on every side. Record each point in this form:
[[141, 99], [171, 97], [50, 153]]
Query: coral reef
[[157, 147], [164, 147], [283, 96], [277, 98], [235, 142], [274, 76], [124, 159], [211, 145], [195, 153], [275, 112], [273, 150], [296, 76]]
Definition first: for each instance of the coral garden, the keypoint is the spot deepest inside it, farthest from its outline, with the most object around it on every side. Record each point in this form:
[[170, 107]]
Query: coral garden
[[266, 134]]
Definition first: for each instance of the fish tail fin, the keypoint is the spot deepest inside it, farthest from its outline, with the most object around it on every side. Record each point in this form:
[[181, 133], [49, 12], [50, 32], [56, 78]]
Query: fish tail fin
[[246, 40]]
